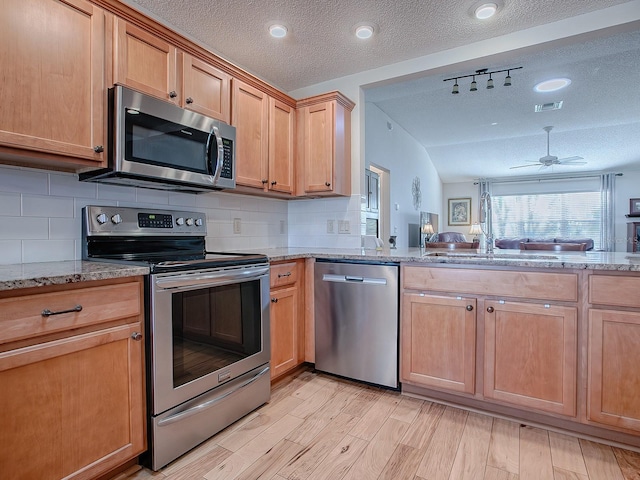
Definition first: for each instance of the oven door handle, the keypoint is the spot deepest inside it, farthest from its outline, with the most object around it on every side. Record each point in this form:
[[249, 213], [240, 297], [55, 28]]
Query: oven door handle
[[210, 403], [211, 278]]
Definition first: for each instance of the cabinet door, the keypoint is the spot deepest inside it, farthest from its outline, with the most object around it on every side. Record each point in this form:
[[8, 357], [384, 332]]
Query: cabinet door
[[72, 404], [281, 146], [614, 378], [318, 147], [250, 117], [531, 355], [438, 342], [206, 89], [284, 330], [53, 95], [144, 62]]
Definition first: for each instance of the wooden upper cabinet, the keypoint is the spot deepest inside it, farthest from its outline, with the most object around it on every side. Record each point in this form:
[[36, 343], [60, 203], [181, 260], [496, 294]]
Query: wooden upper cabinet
[[250, 117], [281, 146], [205, 89], [144, 62], [324, 145], [531, 355], [53, 90]]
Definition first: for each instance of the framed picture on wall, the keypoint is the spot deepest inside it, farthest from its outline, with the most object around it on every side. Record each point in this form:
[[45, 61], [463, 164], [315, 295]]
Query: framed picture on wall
[[459, 211]]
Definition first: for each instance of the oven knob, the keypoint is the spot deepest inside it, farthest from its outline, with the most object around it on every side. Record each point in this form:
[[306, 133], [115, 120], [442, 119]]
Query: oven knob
[[198, 222], [190, 221], [179, 221], [116, 218], [102, 219]]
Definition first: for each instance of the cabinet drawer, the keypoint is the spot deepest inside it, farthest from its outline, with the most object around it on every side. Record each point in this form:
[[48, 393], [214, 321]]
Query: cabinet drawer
[[614, 290], [284, 274], [22, 316], [535, 285]]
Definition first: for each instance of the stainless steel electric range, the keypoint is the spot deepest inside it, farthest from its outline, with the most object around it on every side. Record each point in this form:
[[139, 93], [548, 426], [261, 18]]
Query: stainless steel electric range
[[207, 322]]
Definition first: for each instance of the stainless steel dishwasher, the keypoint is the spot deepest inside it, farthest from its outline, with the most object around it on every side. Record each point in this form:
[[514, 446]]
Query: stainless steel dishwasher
[[356, 321]]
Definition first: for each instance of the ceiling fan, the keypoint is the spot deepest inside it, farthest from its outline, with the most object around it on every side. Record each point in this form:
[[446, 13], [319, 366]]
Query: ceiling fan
[[550, 160]]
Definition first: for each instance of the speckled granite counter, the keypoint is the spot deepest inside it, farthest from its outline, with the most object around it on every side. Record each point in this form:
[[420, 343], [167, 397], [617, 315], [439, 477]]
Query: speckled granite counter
[[57, 273], [54, 273], [620, 261]]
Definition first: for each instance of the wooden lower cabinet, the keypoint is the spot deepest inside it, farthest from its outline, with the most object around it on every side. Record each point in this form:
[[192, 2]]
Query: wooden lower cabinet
[[614, 375], [530, 357], [438, 341], [286, 317], [73, 406]]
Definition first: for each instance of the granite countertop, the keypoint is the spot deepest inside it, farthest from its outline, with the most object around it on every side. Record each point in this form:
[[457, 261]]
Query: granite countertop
[[27, 275], [620, 261], [57, 273]]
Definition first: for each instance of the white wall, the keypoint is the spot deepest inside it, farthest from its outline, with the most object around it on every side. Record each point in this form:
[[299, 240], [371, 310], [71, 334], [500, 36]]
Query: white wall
[[405, 159]]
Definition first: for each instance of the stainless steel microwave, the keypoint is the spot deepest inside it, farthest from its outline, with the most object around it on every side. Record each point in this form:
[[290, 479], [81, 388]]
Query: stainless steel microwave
[[156, 144]]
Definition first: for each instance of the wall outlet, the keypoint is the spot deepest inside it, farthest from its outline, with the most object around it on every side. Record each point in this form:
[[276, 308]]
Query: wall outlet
[[329, 226], [237, 226], [343, 226]]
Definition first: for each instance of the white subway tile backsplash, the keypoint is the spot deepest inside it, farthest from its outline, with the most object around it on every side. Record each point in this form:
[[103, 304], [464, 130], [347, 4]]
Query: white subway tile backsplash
[[152, 197], [10, 252], [181, 200], [22, 180], [47, 206], [68, 185], [24, 228], [64, 228], [9, 205], [48, 250], [115, 192]]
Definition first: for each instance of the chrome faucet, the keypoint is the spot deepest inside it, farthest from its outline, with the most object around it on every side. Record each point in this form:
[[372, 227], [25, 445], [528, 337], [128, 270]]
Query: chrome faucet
[[485, 220]]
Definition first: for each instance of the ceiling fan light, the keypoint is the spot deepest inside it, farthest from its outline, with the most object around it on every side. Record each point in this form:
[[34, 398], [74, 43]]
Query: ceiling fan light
[[486, 10]]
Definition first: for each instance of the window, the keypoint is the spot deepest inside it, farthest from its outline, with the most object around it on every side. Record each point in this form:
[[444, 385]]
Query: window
[[548, 209]]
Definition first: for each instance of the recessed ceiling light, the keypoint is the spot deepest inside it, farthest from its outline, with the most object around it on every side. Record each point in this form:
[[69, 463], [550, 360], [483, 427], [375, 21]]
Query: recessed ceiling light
[[486, 10], [364, 31], [278, 31], [552, 85]]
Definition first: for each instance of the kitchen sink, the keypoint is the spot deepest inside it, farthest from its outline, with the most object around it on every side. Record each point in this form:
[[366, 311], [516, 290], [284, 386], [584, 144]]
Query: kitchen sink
[[492, 256]]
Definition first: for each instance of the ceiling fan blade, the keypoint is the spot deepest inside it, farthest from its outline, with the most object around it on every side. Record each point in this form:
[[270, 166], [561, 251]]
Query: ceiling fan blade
[[529, 165], [571, 160]]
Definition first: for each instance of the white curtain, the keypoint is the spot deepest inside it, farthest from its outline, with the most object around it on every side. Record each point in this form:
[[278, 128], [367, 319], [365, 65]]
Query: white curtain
[[607, 195]]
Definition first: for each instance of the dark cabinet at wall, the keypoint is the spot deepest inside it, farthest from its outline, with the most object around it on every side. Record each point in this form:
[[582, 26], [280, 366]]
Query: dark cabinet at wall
[[633, 236]]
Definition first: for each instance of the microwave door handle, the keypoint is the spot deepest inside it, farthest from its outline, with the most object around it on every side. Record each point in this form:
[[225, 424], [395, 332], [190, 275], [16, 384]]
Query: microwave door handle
[[220, 150]]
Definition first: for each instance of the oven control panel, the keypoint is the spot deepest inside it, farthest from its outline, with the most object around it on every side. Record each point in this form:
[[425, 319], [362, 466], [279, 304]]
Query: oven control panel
[[107, 220]]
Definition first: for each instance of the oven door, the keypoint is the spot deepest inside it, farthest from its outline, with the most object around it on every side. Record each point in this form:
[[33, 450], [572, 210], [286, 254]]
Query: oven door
[[207, 327]]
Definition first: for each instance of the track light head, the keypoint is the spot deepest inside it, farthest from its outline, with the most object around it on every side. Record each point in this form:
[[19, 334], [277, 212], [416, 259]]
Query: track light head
[[474, 85], [456, 88], [490, 83], [507, 80], [479, 73]]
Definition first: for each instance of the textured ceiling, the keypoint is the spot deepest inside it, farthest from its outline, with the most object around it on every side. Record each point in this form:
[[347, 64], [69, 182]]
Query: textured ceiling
[[599, 120], [321, 45]]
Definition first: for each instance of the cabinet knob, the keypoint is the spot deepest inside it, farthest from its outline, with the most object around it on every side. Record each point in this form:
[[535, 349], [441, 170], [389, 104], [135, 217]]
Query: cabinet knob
[[274, 300], [288, 274], [98, 149], [173, 94], [327, 184], [137, 336], [490, 309], [264, 180], [274, 182], [189, 100], [469, 308]]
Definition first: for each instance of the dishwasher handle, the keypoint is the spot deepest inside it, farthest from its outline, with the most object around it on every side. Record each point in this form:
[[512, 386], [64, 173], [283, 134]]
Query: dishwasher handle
[[330, 277]]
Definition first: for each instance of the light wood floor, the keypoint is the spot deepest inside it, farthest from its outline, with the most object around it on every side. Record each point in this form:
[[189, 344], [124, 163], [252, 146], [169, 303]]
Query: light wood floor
[[318, 427]]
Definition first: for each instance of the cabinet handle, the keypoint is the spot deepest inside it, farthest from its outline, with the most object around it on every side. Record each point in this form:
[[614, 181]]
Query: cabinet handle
[[288, 274], [274, 300], [137, 336], [47, 313], [264, 180], [189, 100], [327, 184], [469, 308], [173, 94], [490, 309], [98, 149], [274, 182]]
